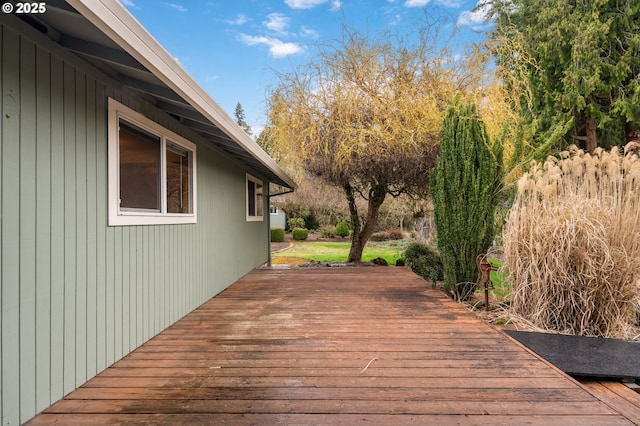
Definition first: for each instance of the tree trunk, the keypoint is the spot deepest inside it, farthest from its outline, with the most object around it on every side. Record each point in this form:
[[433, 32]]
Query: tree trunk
[[591, 140], [355, 217], [362, 232]]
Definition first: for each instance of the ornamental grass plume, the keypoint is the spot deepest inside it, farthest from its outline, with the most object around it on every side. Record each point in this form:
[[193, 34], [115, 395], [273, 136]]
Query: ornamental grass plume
[[572, 244]]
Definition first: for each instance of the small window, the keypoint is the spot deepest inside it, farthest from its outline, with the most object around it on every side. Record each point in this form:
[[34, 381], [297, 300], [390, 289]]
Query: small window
[[151, 171], [139, 163], [254, 199], [178, 179], [273, 210]]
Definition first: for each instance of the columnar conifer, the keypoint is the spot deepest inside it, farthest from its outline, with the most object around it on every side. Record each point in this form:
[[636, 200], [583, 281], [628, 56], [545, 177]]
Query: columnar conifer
[[464, 188]]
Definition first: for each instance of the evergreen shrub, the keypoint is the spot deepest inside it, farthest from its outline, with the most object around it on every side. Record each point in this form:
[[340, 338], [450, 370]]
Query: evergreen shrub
[[465, 186], [342, 229], [425, 261], [300, 234], [277, 235], [310, 220]]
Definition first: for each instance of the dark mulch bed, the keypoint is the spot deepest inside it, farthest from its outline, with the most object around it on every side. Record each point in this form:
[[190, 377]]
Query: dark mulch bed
[[275, 247]]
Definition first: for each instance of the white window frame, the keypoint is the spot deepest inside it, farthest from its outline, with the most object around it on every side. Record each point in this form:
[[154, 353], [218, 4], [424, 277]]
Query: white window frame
[[123, 217], [255, 180]]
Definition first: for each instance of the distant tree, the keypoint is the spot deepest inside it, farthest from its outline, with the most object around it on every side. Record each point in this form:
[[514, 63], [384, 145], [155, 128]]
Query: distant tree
[[240, 119], [464, 187], [580, 61], [313, 194], [365, 116]]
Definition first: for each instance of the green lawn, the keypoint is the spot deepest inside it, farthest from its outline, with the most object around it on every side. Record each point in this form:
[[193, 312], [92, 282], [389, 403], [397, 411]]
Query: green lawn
[[501, 287], [331, 252]]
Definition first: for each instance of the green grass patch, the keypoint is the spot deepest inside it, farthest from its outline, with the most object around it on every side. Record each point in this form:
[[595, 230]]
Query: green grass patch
[[498, 279], [333, 252]]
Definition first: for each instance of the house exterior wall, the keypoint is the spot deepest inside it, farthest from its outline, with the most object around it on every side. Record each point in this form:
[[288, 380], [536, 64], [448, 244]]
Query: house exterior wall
[[77, 295], [278, 219]]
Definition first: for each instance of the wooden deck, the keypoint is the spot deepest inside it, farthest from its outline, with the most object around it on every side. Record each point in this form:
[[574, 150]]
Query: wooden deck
[[332, 345], [616, 394]]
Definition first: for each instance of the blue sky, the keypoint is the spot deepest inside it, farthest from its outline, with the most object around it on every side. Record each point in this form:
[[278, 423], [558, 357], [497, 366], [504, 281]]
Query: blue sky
[[234, 48]]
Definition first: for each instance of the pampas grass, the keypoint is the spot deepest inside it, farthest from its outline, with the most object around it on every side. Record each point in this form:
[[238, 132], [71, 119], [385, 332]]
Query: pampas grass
[[572, 244]]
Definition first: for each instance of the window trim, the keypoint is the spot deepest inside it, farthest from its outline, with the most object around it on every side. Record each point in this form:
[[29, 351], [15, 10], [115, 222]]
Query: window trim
[[255, 180], [118, 217]]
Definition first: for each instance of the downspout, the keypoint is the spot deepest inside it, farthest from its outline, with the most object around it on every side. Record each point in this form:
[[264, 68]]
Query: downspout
[[269, 230]]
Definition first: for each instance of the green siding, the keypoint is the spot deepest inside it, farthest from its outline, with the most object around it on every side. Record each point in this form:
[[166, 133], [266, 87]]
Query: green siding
[[77, 295], [43, 226], [10, 236], [27, 209]]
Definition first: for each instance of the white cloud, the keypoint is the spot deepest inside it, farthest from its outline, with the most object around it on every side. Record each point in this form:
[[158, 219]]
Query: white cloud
[[128, 3], [241, 19], [277, 48], [177, 7], [454, 4], [395, 20], [416, 3], [256, 130], [336, 5], [304, 4], [308, 32], [474, 18], [277, 22]]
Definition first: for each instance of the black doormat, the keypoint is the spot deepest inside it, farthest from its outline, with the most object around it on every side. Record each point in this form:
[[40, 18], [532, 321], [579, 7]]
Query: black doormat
[[585, 356]]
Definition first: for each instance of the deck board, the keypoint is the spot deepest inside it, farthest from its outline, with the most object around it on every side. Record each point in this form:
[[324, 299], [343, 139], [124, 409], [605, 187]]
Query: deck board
[[617, 395], [368, 345]]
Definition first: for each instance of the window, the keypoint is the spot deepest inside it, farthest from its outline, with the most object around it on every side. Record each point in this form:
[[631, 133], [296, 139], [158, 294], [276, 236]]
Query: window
[[151, 171], [254, 199]]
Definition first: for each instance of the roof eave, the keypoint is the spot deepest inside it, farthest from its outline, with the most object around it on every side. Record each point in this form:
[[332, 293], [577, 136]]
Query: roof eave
[[118, 24]]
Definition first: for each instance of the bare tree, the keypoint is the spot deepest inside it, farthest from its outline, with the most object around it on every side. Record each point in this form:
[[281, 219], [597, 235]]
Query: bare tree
[[365, 115]]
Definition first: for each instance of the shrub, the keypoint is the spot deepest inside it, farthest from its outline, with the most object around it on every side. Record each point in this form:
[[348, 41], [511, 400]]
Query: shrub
[[310, 220], [342, 229], [379, 236], [391, 234], [295, 222], [300, 234], [424, 261], [394, 234], [327, 232], [277, 235], [571, 244], [464, 186]]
